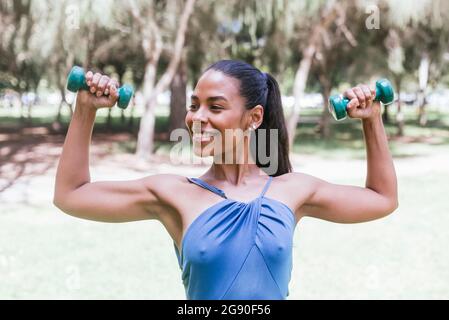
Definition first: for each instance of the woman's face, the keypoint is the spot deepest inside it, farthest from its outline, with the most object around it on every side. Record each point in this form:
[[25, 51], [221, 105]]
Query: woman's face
[[217, 108]]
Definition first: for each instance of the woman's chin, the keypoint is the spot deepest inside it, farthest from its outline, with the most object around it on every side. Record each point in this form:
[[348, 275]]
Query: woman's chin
[[203, 151]]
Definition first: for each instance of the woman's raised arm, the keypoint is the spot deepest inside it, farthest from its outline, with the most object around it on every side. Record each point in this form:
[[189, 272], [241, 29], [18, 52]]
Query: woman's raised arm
[[106, 201], [379, 197]]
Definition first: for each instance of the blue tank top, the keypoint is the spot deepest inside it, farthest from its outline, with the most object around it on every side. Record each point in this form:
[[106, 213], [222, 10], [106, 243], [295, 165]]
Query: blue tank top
[[238, 250]]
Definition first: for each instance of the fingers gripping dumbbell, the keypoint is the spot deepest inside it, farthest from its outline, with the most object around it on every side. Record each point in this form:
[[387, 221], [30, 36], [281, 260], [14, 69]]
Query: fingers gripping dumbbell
[[76, 80], [338, 103]]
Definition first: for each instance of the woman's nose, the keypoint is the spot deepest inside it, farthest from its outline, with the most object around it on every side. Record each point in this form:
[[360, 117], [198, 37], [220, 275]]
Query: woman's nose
[[200, 115]]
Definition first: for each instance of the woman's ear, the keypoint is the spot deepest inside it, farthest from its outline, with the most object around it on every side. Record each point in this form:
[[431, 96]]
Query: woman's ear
[[257, 115]]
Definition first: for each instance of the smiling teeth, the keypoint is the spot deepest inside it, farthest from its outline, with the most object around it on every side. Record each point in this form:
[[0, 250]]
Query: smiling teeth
[[203, 135]]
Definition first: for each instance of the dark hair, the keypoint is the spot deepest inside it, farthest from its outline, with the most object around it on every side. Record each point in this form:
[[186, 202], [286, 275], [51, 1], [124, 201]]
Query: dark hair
[[256, 88]]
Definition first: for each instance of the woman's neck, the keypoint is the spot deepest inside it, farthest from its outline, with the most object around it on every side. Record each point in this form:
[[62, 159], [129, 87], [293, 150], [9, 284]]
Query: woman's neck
[[234, 173]]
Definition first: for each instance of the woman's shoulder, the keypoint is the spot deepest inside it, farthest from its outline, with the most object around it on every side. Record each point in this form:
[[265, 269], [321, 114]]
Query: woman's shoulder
[[165, 181], [170, 189], [297, 179]]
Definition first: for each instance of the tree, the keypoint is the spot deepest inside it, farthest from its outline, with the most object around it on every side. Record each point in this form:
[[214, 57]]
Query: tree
[[152, 44], [178, 101], [424, 38], [326, 16], [396, 65], [334, 54], [21, 65]]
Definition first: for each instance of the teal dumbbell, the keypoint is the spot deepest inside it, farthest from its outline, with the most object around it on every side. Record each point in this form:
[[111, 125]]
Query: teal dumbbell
[[76, 80], [338, 103]]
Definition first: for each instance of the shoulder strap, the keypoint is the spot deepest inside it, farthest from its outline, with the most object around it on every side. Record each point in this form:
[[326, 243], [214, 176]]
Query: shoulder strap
[[266, 186], [207, 186]]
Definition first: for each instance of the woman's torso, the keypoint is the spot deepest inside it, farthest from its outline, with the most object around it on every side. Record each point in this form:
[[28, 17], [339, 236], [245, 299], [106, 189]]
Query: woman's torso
[[204, 221], [185, 201]]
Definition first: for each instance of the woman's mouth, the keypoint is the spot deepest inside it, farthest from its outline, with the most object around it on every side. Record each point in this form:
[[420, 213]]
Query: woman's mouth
[[202, 137]]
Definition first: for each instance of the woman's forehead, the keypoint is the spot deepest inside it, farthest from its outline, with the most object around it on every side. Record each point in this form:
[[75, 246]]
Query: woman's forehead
[[215, 83]]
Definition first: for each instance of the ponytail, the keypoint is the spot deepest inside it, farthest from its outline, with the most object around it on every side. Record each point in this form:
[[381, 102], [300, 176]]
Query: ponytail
[[273, 118]]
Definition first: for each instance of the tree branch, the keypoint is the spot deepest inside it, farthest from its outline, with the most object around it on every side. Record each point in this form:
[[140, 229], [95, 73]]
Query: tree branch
[[136, 15], [177, 51], [341, 25]]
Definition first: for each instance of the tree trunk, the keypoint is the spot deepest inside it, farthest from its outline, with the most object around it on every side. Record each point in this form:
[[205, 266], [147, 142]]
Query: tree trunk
[[30, 109], [145, 138], [109, 121], [399, 114], [151, 92], [22, 111], [121, 71], [89, 42], [298, 90], [423, 75], [178, 99], [61, 72], [58, 116], [61, 104], [324, 124], [146, 127], [130, 124], [327, 18], [386, 114], [122, 118]]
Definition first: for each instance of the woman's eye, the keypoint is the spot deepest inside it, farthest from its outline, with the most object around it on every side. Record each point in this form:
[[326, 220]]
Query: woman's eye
[[193, 107]]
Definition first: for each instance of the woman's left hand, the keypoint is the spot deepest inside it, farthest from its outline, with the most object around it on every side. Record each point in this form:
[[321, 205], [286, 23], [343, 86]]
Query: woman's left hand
[[361, 104]]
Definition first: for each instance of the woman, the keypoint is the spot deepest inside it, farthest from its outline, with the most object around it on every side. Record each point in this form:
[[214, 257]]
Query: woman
[[233, 227]]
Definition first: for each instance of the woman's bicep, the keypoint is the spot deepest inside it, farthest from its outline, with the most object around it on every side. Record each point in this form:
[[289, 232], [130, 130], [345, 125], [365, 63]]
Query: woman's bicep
[[111, 201], [345, 204]]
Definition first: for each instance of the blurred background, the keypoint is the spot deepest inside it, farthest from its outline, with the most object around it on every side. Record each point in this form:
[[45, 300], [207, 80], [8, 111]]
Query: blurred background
[[313, 48]]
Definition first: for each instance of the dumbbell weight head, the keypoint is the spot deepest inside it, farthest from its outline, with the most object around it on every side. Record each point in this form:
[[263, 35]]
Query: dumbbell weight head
[[384, 91], [125, 93], [76, 80]]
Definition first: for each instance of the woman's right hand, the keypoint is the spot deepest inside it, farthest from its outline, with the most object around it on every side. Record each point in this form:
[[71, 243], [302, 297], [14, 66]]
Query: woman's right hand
[[103, 92]]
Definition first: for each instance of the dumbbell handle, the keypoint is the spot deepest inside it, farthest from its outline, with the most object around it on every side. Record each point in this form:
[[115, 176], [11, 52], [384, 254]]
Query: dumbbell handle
[[338, 103], [76, 80]]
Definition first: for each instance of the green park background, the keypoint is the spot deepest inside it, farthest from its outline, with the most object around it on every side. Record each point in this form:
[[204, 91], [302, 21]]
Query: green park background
[[313, 48]]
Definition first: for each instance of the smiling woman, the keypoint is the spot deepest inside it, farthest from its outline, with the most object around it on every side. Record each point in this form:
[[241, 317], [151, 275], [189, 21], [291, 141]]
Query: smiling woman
[[232, 228]]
